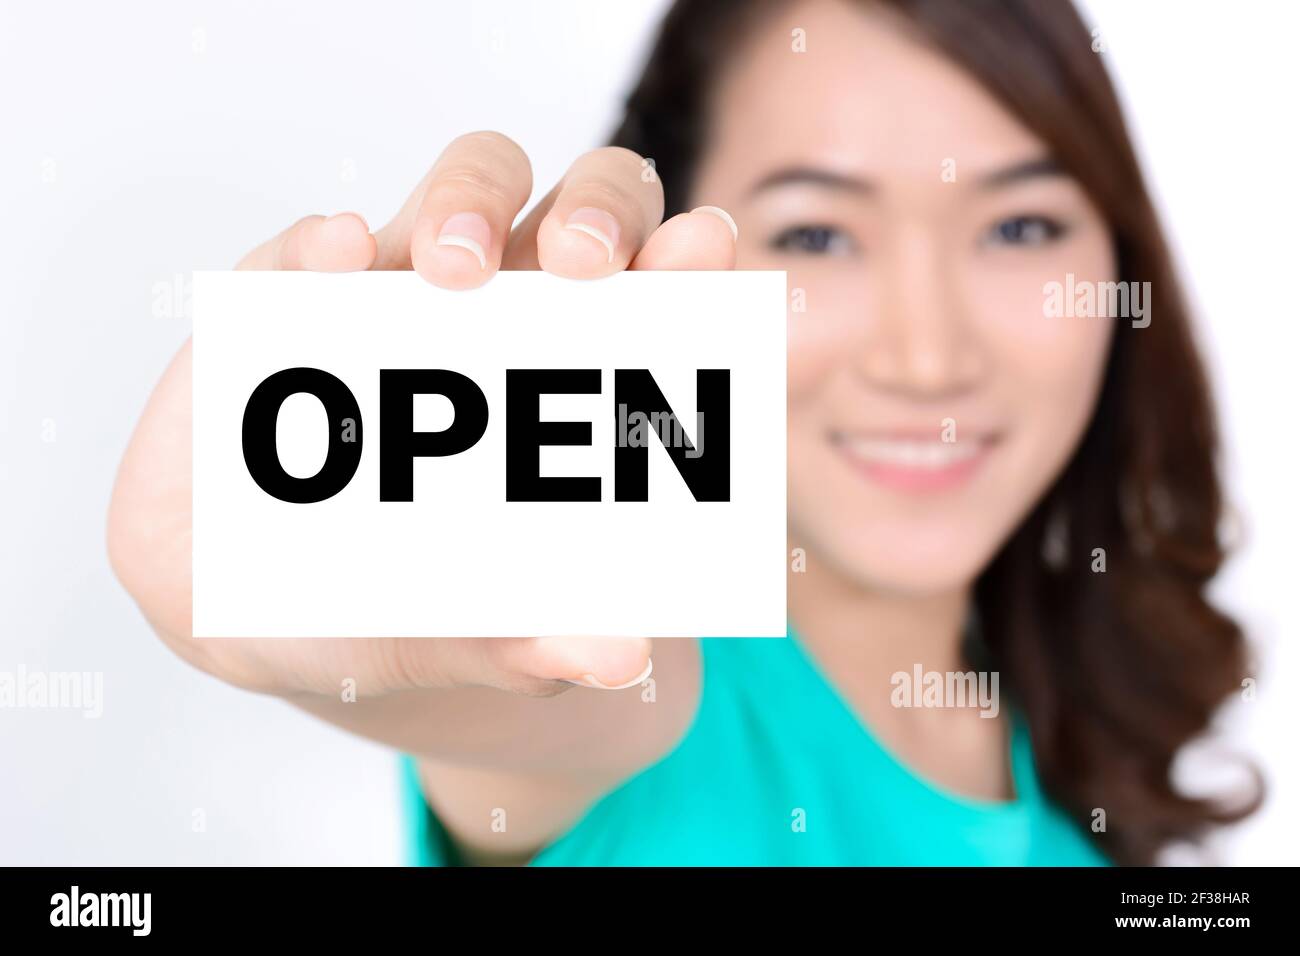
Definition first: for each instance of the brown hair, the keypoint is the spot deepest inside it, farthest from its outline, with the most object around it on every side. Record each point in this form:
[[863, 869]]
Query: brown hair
[[1116, 671]]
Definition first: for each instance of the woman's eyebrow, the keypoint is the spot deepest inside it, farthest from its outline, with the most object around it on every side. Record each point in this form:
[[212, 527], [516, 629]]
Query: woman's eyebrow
[[1039, 166], [1019, 172], [812, 176]]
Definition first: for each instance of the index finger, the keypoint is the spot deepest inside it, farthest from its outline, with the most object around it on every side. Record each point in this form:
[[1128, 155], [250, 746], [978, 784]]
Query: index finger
[[471, 197]]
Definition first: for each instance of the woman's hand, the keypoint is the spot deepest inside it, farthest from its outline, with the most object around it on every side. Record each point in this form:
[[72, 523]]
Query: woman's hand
[[455, 230]]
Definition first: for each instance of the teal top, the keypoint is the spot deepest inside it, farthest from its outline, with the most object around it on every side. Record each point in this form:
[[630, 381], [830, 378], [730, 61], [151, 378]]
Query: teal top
[[776, 769]]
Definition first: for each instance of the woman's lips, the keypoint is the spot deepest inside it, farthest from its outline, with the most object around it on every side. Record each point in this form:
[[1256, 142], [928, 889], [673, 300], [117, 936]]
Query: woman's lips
[[914, 462]]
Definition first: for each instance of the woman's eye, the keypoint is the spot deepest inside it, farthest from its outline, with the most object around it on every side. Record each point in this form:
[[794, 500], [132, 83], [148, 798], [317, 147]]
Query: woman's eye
[[1024, 231], [813, 240]]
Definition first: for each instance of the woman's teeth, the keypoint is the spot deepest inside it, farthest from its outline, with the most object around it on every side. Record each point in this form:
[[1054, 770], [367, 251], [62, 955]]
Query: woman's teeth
[[910, 453]]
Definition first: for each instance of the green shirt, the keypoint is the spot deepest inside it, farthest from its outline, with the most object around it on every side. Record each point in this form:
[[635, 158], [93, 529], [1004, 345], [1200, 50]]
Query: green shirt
[[776, 769]]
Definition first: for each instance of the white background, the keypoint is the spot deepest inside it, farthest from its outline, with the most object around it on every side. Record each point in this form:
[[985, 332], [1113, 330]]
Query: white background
[[138, 146]]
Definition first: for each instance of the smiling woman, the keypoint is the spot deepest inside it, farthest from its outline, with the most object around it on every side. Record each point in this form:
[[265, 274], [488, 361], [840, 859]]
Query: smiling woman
[[979, 495], [925, 170]]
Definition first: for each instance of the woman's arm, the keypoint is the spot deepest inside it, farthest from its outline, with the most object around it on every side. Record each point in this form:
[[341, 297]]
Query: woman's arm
[[490, 719]]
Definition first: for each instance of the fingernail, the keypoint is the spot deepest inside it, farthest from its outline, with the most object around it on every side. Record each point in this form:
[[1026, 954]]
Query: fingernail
[[590, 680], [721, 214], [469, 231], [598, 224]]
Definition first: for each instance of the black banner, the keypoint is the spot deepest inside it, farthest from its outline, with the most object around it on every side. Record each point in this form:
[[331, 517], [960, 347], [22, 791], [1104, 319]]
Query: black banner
[[366, 906]]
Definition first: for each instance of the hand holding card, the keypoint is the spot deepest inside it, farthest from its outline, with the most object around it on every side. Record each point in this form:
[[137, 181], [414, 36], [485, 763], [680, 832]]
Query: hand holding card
[[481, 175]]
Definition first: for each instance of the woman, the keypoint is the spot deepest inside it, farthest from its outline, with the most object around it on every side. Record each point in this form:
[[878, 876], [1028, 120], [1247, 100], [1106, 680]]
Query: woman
[[982, 485]]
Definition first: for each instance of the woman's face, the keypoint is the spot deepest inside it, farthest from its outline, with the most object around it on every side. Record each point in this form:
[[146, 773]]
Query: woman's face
[[931, 402]]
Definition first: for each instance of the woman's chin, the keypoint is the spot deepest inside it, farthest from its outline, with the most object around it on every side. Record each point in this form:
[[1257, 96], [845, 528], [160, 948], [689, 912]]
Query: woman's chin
[[909, 572], [919, 579], [922, 556]]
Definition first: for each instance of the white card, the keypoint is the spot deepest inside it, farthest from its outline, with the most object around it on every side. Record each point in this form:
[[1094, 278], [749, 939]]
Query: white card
[[290, 541]]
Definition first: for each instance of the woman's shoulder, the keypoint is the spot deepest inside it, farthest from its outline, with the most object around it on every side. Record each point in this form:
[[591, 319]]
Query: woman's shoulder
[[773, 768]]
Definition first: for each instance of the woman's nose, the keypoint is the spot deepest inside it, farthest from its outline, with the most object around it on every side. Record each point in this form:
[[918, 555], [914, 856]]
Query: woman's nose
[[921, 342]]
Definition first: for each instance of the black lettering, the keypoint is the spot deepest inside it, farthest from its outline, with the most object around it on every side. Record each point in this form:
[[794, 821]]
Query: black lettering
[[708, 474], [262, 414], [525, 434], [400, 444]]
